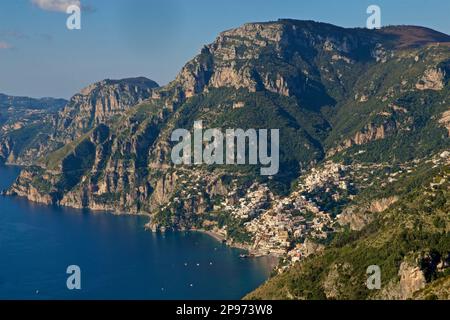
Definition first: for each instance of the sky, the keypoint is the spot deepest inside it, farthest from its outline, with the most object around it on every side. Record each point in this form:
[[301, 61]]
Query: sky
[[41, 57]]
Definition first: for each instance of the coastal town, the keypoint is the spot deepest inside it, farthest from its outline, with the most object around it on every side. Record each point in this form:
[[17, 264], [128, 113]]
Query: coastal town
[[297, 226], [281, 226]]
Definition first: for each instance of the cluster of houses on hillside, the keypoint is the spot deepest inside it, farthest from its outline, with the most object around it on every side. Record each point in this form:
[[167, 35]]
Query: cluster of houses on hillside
[[278, 224]]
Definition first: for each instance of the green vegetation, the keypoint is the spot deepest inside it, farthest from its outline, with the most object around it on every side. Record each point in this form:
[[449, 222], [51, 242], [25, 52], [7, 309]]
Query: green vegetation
[[408, 230], [75, 166], [349, 96], [235, 228]]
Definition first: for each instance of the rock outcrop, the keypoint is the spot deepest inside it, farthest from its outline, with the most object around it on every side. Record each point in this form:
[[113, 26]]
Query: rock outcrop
[[110, 147], [411, 280], [357, 217], [25, 187], [370, 133], [433, 79], [99, 103]]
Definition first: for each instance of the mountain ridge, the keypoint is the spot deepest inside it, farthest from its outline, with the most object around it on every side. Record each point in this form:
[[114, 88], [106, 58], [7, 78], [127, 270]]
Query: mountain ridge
[[20, 117], [98, 102], [356, 109]]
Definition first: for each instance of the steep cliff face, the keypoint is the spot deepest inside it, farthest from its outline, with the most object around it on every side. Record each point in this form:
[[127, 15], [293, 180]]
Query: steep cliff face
[[360, 112], [283, 57], [293, 75], [47, 126], [100, 103], [412, 279], [369, 133], [433, 79], [358, 217]]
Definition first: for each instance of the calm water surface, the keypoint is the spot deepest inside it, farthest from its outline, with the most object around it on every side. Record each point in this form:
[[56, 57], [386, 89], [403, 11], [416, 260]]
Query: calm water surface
[[117, 257]]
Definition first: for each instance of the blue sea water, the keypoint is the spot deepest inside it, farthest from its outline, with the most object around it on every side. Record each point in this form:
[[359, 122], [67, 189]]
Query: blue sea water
[[117, 257]]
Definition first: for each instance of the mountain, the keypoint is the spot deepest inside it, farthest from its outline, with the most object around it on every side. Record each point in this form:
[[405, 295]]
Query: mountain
[[25, 103], [409, 240], [98, 103], [358, 110], [21, 118]]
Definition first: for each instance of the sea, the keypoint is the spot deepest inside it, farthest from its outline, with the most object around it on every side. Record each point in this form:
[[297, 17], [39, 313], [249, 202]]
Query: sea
[[114, 257]]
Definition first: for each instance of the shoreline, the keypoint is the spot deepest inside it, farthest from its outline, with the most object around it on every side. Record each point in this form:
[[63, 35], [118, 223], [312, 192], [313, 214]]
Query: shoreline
[[251, 253], [213, 235], [274, 259]]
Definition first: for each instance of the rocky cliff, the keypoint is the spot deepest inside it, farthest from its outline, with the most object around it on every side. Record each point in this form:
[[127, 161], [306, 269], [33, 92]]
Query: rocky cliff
[[99, 103], [56, 125], [356, 109], [110, 147]]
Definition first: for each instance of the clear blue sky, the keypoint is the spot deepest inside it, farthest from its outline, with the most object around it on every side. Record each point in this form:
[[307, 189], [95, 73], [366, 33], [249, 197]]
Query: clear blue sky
[[126, 38]]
